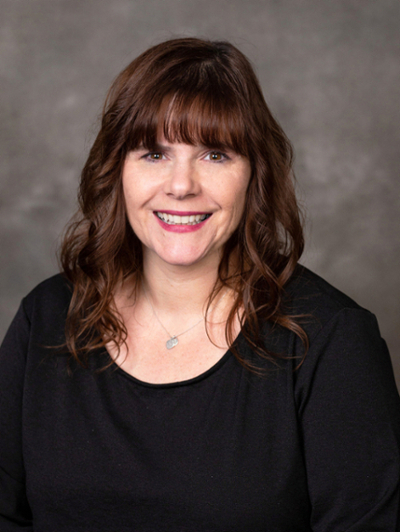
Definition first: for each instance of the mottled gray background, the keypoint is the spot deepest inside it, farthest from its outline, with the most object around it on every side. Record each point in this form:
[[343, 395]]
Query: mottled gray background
[[329, 70]]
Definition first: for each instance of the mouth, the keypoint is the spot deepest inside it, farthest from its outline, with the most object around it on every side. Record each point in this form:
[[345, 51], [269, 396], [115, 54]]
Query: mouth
[[174, 219]]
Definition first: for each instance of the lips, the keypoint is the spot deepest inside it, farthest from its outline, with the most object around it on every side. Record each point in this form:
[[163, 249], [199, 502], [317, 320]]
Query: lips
[[181, 219]]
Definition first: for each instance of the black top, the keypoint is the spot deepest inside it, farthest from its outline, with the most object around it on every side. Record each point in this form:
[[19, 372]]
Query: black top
[[312, 449]]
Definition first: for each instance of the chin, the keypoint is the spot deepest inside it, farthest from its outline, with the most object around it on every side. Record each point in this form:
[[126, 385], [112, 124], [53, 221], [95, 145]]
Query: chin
[[182, 257], [179, 254], [181, 261]]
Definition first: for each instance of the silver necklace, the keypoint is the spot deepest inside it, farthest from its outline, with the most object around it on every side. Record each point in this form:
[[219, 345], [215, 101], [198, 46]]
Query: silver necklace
[[173, 338]]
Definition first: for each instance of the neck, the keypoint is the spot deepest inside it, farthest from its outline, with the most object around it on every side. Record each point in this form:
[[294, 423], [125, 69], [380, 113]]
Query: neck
[[179, 289], [177, 298]]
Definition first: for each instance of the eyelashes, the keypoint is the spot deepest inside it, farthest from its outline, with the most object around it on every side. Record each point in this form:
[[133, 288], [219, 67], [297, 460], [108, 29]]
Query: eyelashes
[[212, 155], [154, 156], [217, 156]]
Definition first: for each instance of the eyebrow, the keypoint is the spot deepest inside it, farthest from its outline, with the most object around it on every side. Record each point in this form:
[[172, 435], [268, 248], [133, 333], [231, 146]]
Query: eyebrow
[[162, 147], [156, 147]]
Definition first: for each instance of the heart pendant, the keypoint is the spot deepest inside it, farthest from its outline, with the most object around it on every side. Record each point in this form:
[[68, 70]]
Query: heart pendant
[[172, 342]]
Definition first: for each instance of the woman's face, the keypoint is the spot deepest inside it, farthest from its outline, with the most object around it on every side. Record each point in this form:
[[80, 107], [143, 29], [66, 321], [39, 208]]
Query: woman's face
[[184, 202]]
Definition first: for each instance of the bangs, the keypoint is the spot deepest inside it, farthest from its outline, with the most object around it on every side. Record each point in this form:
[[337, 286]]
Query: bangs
[[210, 118]]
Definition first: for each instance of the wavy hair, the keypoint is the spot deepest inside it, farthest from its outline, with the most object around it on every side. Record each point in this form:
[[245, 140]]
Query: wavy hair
[[192, 91]]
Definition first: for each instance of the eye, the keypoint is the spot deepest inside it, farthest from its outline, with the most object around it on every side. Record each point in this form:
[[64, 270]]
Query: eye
[[153, 156], [216, 156]]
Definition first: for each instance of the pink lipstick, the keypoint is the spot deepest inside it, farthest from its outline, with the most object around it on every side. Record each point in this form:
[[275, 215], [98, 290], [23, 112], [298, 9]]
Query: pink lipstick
[[181, 221]]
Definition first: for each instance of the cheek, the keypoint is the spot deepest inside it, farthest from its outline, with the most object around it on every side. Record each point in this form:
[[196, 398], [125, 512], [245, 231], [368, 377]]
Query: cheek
[[129, 203], [132, 209], [238, 196], [239, 210], [134, 195]]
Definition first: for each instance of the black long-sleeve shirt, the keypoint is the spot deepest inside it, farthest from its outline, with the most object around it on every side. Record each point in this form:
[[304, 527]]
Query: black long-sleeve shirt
[[291, 451]]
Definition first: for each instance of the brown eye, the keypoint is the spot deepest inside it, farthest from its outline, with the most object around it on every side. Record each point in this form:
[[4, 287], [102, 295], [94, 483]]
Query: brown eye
[[156, 156], [216, 156]]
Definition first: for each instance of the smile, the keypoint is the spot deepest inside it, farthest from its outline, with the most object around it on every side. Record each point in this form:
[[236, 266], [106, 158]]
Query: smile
[[174, 219]]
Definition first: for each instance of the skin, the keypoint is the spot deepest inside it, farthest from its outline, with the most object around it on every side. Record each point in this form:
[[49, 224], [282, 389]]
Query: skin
[[186, 179], [180, 262]]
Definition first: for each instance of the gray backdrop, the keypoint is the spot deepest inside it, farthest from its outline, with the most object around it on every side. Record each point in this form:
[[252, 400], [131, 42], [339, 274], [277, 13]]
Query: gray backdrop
[[329, 70]]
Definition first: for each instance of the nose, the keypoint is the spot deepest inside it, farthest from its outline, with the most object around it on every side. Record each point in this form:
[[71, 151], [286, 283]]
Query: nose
[[183, 180]]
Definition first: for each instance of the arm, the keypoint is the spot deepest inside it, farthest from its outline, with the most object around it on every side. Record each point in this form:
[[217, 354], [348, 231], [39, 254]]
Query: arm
[[15, 513], [349, 410]]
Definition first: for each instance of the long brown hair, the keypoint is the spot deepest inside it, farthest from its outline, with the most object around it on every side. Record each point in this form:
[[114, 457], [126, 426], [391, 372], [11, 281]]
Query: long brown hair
[[192, 91]]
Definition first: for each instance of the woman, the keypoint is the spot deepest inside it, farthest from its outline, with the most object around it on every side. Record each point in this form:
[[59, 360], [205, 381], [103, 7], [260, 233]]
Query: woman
[[184, 372]]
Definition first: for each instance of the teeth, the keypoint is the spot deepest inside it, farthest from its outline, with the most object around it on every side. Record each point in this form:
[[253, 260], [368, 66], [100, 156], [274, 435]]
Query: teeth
[[173, 219]]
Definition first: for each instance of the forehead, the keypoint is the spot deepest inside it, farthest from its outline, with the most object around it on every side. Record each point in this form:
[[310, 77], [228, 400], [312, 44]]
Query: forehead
[[165, 144], [196, 121]]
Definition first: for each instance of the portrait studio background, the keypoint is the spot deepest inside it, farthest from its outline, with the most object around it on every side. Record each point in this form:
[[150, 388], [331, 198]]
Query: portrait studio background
[[329, 71]]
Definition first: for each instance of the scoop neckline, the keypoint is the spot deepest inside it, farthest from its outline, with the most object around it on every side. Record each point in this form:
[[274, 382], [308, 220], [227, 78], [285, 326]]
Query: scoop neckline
[[176, 384]]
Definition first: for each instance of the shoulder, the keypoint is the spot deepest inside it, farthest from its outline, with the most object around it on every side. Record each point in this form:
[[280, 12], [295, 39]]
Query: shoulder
[[39, 322], [346, 358], [45, 309], [317, 304], [308, 291], [345, 344], [343, 337], [54, 292], [331, 320]]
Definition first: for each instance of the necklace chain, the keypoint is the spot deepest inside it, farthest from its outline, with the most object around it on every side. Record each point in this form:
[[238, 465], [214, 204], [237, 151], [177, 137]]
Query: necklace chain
[[173, 338]]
